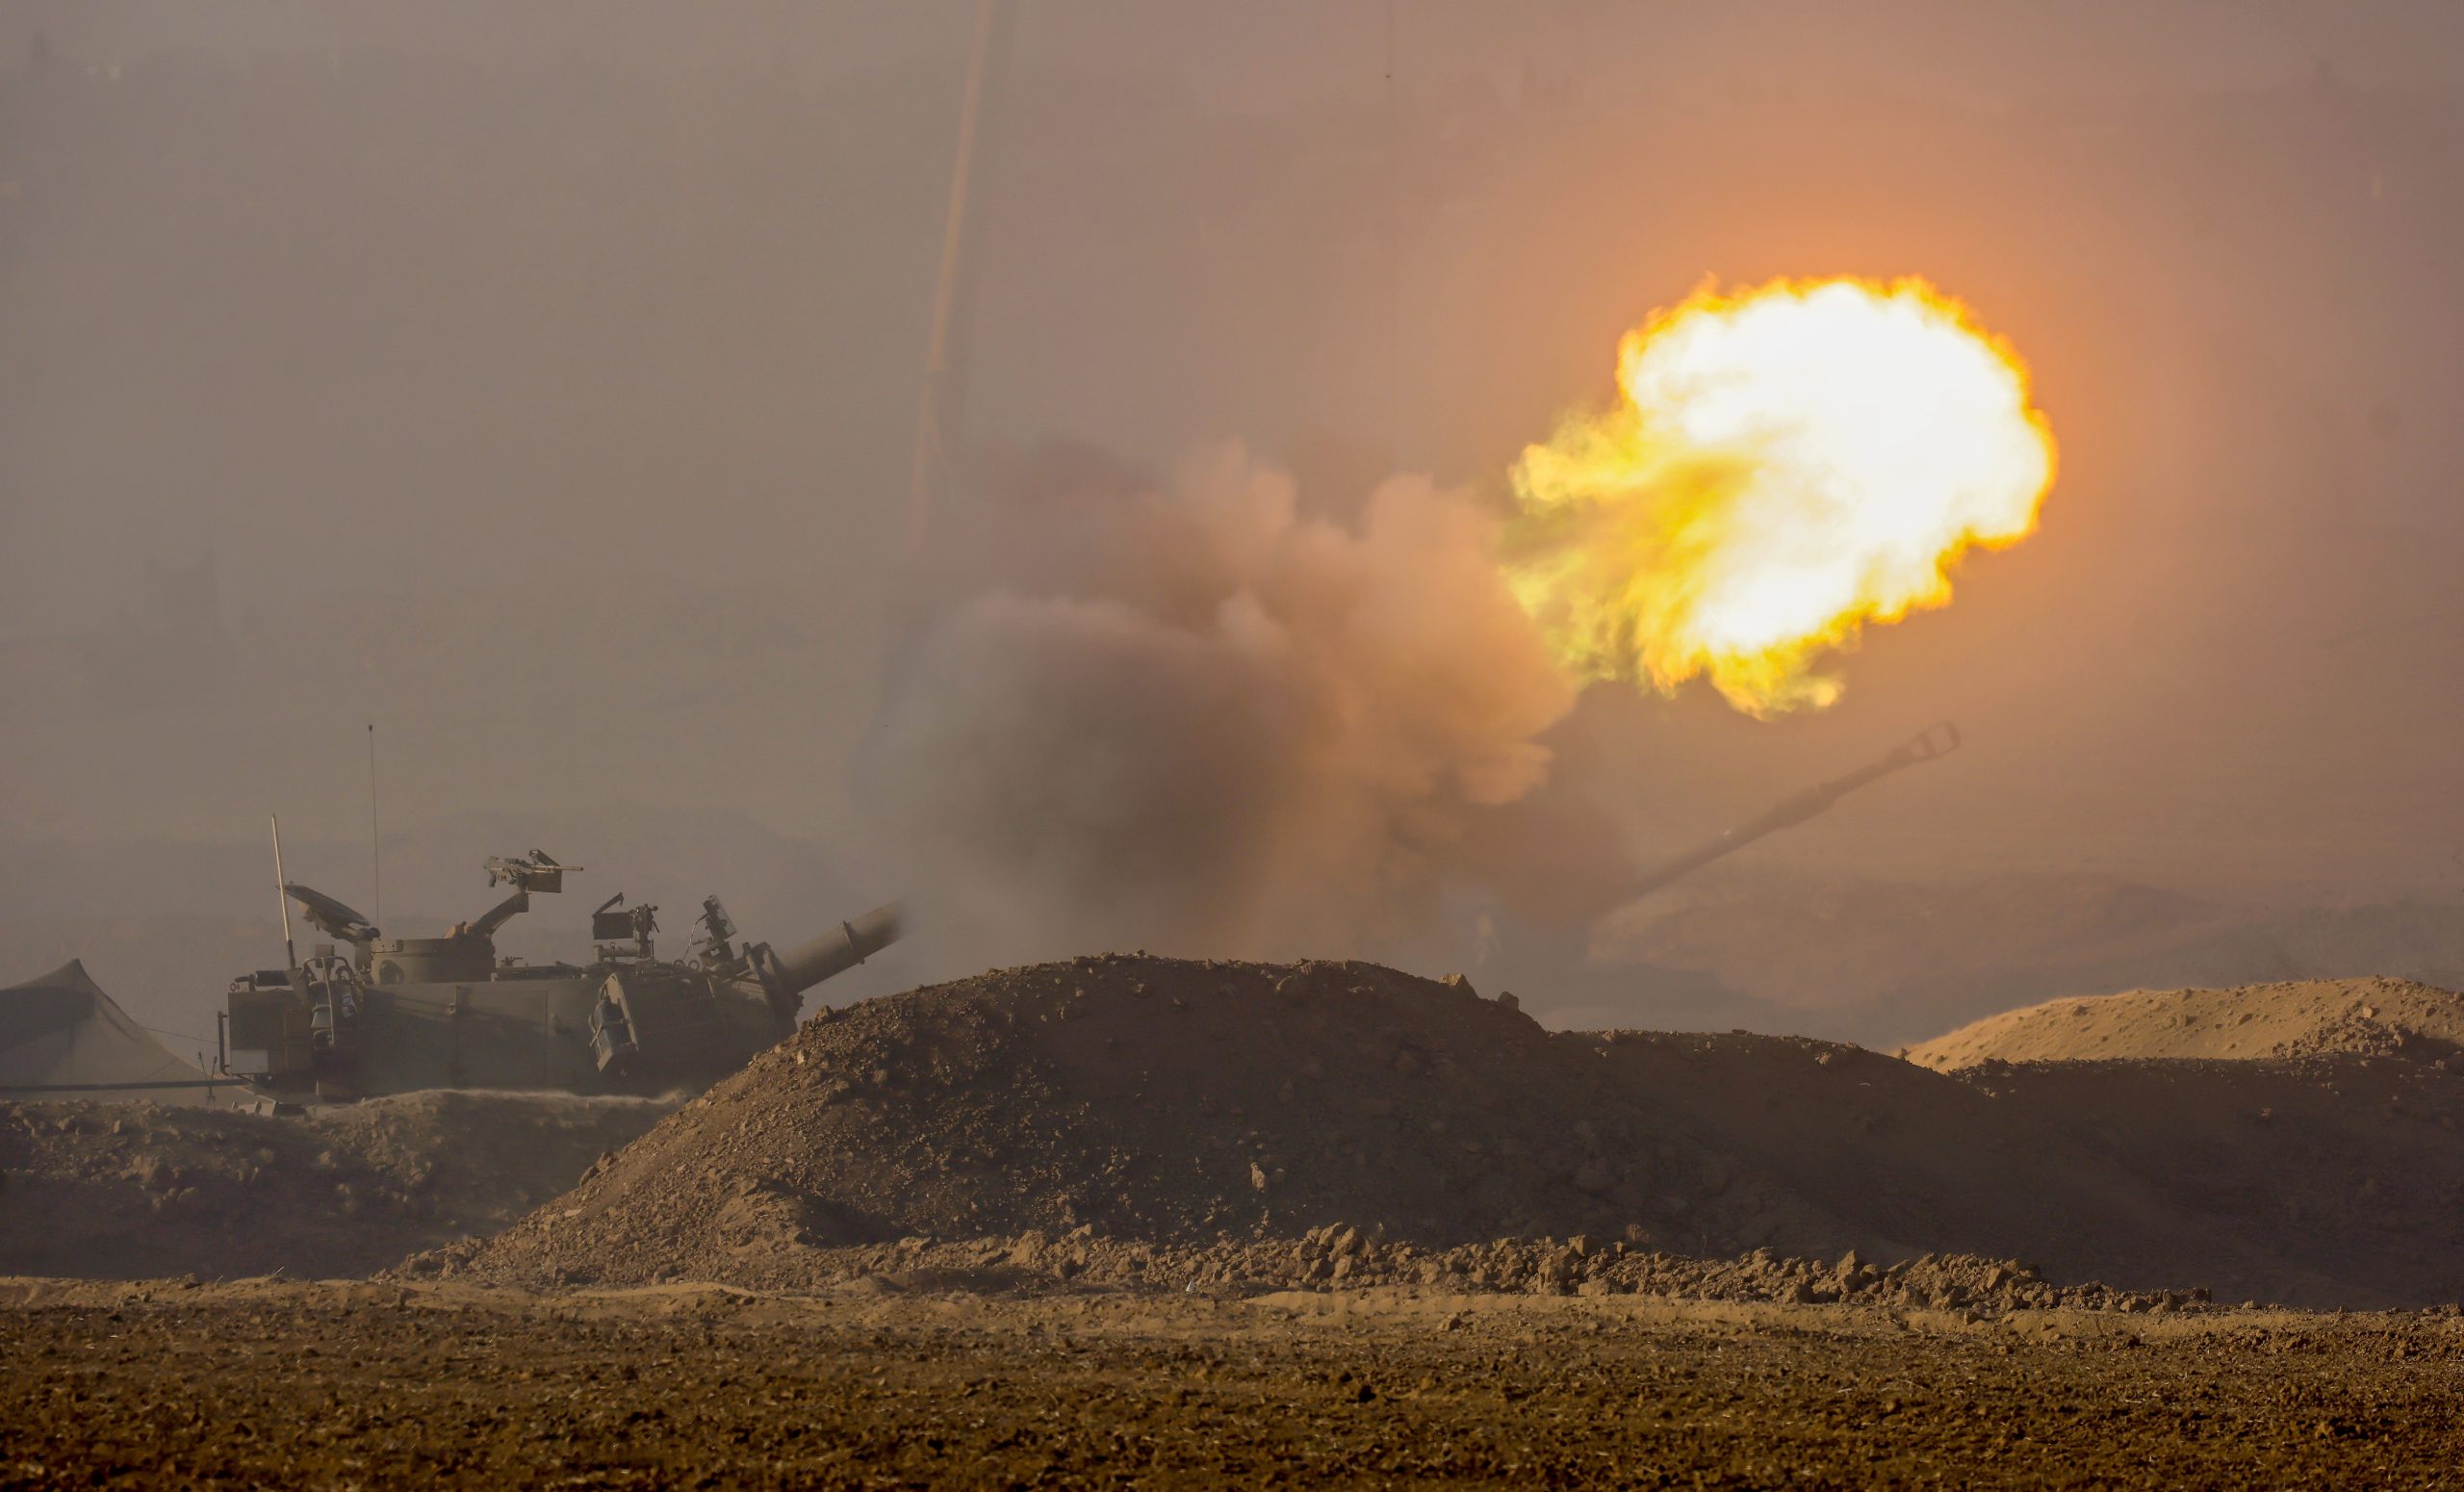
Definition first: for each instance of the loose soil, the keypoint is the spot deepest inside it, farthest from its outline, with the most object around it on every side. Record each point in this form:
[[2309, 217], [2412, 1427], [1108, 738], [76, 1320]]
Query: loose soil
[[132, 1191], [1210, 1114], [1135, 1121], [2378, 1017], [301, 1384], [1128, 1218]]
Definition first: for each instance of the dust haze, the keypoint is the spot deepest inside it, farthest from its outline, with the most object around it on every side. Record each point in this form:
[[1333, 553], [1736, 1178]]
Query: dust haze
[[539, 383], [1188, 714], [1326, 1036]]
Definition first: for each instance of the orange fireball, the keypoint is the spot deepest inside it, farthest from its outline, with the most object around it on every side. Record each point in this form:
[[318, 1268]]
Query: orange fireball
[[1786, 464]]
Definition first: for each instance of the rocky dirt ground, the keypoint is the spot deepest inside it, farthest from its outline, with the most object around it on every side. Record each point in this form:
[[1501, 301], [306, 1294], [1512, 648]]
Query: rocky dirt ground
[[1193, 1105], [1134, 1220], [131, 1190], [1342, 1257], [1218, 1111], [2379, 1018], [272, 1383]]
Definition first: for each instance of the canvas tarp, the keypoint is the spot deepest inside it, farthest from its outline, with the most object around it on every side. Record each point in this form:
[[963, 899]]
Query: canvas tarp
[[61, 1036]]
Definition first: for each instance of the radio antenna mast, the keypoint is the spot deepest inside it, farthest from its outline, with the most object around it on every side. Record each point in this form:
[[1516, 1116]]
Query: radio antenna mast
[[375, 854], [282, 896], [943, 409]]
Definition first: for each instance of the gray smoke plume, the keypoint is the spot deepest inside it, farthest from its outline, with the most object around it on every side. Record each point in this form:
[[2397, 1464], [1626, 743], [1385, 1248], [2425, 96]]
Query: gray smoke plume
[[1193, 717]]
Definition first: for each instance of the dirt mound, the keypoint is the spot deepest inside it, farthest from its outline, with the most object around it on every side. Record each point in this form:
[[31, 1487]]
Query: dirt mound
[[2382, 1018], [134, 1191], [1151, 1097], [2347, 1169], [1196, 1107], [1822, 940], [1886, 961]]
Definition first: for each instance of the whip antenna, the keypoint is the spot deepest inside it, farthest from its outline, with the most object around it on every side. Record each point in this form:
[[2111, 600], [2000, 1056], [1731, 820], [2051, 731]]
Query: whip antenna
[[375, 854], [282, 896]]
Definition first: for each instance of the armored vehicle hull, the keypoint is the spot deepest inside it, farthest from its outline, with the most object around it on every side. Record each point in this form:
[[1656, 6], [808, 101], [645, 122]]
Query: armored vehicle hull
[[398, 1015]]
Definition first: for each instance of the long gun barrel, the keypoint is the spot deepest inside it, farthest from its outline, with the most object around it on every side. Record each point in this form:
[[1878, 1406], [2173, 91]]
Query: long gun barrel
[[1932, 741], [791, 973]]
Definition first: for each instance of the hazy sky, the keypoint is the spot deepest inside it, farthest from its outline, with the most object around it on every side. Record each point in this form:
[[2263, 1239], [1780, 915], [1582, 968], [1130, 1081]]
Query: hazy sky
[[539, 379]]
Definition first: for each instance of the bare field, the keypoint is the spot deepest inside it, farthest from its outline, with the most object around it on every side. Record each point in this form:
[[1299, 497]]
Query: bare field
[[1132, 1220], [340, 1384]]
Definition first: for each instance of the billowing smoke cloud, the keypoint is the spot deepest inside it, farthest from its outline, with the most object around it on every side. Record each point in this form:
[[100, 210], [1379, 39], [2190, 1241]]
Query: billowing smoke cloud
[[1191, 716]]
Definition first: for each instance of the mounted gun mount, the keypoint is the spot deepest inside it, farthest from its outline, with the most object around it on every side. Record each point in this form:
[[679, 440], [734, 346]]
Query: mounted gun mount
[[400, 1014], [1934, 741]]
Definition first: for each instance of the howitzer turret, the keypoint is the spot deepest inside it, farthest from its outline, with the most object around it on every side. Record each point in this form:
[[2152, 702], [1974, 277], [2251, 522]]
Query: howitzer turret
[[1932, 741], [411, 1013]]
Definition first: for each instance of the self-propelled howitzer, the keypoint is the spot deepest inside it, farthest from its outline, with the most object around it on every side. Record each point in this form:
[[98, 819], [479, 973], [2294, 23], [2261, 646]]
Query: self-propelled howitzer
[[1934, 741], [400, 1014]]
